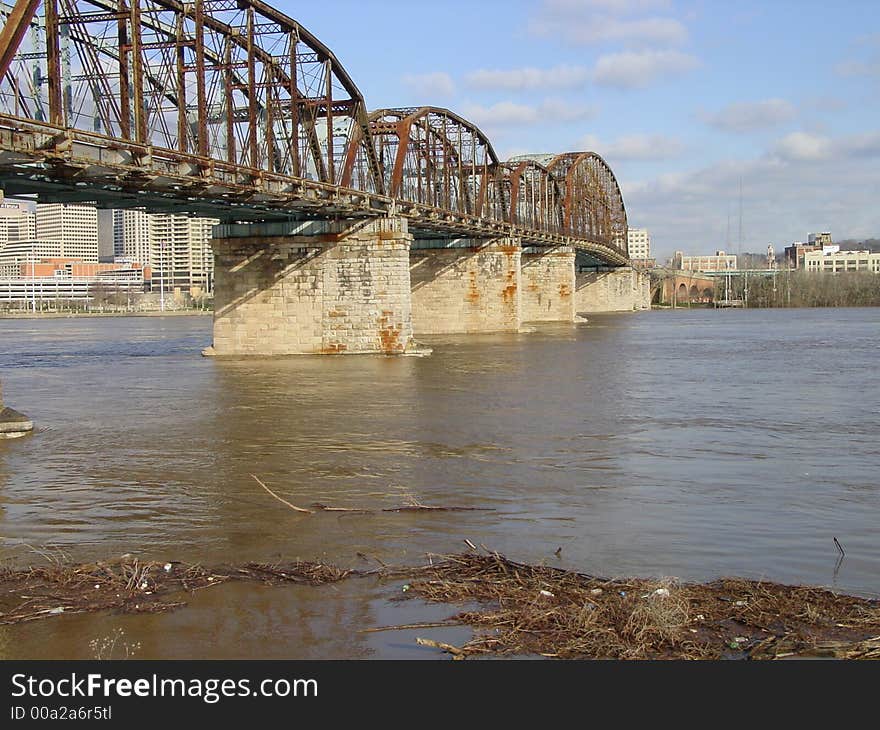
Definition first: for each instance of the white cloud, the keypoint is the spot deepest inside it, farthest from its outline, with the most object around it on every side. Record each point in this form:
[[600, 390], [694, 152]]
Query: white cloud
[[858, 68], [804, 183], [804, 146], [428, 85], [618, 7], [504, 113], [749, 116], [508, 113], [522, 79], [661, 31], [634, 147], [868, 47], [587, 22], [823, 103], [859, 146], [636, 69], [560, 110]]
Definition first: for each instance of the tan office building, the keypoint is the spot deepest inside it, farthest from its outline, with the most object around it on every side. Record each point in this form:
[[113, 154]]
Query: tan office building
[[832, 262]]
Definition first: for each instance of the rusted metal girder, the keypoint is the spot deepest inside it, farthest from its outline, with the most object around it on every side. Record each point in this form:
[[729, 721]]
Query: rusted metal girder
[[230, 105], [179, 75], [14, 30], [592, 202], [431, 156], [530, 195]]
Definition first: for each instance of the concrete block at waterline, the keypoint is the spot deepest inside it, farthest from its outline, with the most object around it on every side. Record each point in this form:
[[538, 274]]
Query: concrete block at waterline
[[12, 423], [619, 290], [466, 289], [343, 289], [548, 285]]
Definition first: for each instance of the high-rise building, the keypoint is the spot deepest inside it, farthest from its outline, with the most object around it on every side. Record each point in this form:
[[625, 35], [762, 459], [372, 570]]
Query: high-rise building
[[74, 226], [638, 242], [176, 247], [17, 221], [17, 257], [131, 235]]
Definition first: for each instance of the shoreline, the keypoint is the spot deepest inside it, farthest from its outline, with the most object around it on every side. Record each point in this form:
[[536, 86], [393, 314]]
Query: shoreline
[[75, 315], [511, 608]]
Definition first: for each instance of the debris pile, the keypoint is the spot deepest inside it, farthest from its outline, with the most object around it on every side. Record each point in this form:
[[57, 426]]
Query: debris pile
[[528, 609], [514, 608], [129, 585]]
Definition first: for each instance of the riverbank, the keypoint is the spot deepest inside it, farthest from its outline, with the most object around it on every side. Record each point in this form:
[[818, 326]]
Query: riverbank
[[788, 289], [512, 608], [80, 315]]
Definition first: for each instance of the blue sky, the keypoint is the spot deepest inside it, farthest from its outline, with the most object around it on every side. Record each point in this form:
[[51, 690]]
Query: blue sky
[[684, 98]]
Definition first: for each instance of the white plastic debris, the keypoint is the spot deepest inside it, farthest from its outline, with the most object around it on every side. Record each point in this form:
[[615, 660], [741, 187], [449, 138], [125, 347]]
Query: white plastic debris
[[595, 591], [547, 593], [661, 592], [60, 609], [144, 586], [739, 603], [700, 617], [167, 567], [97, 585]]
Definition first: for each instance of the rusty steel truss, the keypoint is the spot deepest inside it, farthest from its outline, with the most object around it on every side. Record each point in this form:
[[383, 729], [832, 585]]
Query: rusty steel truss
[[231, 109]]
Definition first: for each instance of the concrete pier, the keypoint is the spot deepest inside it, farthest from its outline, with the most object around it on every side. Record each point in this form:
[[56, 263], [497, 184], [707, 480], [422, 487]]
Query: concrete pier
[[617, 290], [12, 423], [548, 285], [466, 285], [346, 287], [317, 287]]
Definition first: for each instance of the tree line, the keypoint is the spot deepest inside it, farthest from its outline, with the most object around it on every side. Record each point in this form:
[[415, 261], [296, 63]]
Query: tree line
[[802, 289]]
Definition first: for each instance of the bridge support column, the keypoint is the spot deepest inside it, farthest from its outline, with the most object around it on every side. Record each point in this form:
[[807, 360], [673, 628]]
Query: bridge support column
[[466, 285], [548, 284], [315, 287], [13, 423], [617, 290]]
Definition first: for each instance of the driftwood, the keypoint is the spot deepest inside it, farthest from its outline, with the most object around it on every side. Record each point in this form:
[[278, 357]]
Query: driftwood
[[429, 508], [283, 501], [414, 507], [404, 627], [318, 507], [456, 652]]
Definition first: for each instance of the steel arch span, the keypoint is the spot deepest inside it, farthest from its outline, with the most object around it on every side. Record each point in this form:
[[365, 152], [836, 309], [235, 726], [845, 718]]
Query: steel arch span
[[530, 196], [593, 205], [430, 156], [231, 109]]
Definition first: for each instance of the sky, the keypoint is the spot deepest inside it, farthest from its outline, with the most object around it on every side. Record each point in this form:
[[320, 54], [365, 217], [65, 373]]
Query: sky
[[689, 101]]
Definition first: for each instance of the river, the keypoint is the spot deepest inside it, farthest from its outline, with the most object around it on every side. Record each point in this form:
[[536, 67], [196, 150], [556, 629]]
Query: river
[[689, 443]]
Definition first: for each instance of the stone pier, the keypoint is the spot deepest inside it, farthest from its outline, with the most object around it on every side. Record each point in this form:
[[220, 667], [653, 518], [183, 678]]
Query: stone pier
[[314, 287], [548, 285], [466, 285], [12, 423], [617, 290]]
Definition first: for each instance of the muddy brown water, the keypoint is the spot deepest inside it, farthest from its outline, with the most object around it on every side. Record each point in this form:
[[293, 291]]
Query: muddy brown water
[[689, 443]]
